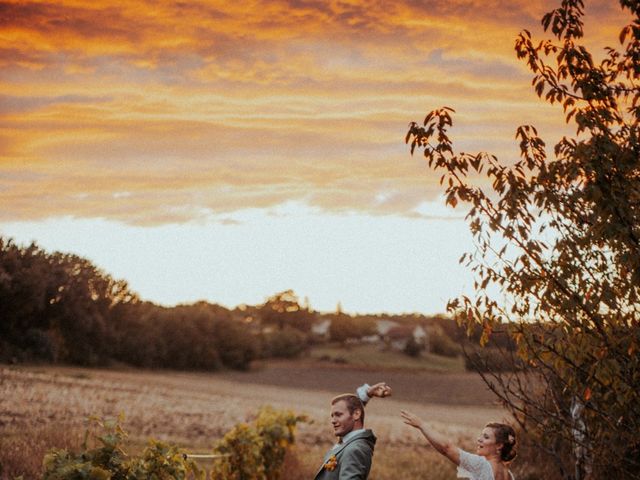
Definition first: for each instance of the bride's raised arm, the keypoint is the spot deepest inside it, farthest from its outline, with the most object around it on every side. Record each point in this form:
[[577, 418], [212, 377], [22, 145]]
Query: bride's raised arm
[[439, 442]]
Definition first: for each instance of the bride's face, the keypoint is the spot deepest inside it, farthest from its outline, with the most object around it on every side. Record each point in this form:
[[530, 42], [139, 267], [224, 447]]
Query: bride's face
[[486, 444]]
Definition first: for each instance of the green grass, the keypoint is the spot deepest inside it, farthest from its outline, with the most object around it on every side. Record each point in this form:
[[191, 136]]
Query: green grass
[[367, 355]]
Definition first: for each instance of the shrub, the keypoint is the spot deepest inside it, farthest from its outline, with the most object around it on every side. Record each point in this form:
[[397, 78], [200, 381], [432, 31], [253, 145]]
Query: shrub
[[257, 451], [163, 461], [286, 343], [277, 431], [108, 460], [441, 344], [413, 348], [344, 327], [242, 447], [105, 462]]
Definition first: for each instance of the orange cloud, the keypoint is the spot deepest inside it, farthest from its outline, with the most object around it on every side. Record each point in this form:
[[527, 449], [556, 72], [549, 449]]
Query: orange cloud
[[154, 112]]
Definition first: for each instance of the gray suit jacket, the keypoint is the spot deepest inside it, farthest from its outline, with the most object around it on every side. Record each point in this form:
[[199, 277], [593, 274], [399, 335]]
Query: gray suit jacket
[[352, 459]]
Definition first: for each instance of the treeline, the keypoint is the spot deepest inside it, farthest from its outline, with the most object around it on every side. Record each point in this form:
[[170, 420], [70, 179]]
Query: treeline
[[58, 307]]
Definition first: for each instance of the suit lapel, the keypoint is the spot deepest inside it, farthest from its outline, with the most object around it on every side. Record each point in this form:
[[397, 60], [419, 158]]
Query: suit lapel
[[336, 450], [324, 460], [332, 451]]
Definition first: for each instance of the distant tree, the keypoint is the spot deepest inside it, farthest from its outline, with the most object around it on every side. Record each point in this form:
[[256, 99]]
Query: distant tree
[[441, 344], [286, 343], [56, 306], [237, 347], [62, 308], [345, 327], [80, 309], [413, 348], [25, 288], [136, 340], [193, 337], [283, 309], [560, 239]]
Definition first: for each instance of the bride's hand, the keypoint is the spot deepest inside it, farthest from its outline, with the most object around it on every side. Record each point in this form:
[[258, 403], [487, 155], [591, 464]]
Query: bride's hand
[[411, 419]]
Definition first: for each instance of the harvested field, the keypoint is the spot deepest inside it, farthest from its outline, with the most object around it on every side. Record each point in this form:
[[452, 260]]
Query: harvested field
[[408, 385], [193, 410]]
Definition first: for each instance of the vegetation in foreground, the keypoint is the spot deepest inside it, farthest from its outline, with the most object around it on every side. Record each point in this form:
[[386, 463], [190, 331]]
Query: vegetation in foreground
[[250, 451], [195, 411], [264, 448]]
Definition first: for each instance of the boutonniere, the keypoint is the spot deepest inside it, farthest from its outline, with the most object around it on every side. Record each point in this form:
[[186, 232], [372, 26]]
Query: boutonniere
[[331, 463]]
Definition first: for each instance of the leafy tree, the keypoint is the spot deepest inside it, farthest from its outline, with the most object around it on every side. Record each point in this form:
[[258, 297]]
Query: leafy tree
[[80, 307], [237, 347], [441, 344], [413, 348], [345, 327], [200, 336], [60, 307], [286, 343], [56, 306], [25, 287], [284, 309], [560, 239], [134, 340]]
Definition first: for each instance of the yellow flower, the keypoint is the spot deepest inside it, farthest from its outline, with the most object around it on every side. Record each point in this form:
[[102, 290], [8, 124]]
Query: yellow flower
[[331, 463]]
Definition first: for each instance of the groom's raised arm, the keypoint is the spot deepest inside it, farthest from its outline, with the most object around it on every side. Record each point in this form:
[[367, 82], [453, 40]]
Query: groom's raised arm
[[366, 392]]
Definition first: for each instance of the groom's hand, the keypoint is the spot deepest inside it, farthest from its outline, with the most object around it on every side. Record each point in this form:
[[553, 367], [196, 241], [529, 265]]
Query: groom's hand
[[379, 390]]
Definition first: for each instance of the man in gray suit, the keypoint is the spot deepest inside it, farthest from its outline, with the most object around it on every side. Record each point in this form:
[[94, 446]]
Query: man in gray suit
[[351, 457]]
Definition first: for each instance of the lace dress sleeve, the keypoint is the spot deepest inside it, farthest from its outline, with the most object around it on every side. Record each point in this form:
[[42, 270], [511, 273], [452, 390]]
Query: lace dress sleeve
[[474, 467]]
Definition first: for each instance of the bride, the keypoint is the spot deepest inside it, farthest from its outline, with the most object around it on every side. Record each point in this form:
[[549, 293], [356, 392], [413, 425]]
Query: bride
[[495, 448]]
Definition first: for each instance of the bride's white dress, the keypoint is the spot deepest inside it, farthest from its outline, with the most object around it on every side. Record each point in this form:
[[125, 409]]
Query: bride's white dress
[[475, 467]]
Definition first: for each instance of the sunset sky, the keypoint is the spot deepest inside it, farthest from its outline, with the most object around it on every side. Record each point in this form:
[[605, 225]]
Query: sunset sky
[[226, 151]]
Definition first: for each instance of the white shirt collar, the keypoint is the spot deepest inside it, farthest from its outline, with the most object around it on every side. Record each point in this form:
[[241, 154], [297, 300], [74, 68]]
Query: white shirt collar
[[349, 435]]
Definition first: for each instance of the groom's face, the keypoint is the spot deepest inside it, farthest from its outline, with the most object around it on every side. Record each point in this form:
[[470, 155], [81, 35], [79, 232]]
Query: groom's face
[[342, 420]]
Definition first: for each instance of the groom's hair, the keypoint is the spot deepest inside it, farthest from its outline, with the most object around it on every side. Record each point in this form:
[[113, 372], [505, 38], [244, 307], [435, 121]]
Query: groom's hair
[[353, 403]]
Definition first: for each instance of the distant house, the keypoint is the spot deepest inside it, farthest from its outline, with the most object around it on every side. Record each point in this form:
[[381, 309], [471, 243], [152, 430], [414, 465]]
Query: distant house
[[420, 335], [397, 337], [321, 328], [383, 326], [387, 333]]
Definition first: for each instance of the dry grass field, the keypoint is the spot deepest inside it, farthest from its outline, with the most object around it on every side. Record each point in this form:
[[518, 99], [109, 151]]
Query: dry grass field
[[43, 406]]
